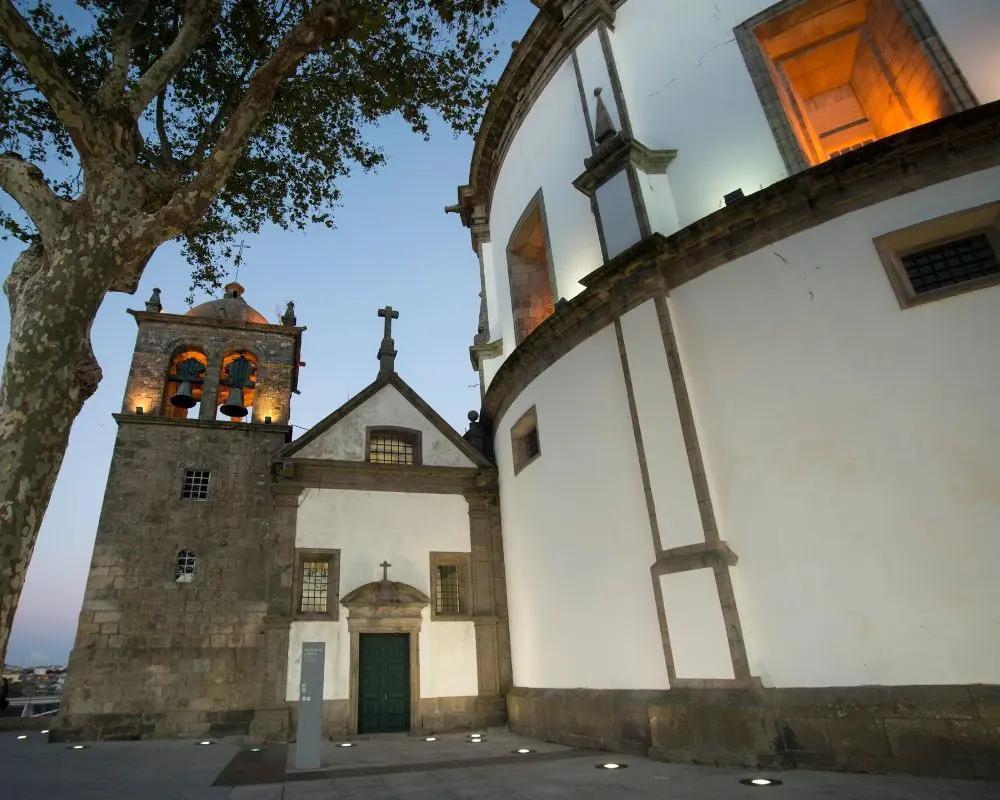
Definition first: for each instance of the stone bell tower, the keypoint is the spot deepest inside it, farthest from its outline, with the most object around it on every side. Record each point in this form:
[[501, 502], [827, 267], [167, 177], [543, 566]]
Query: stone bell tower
[[172, 638]]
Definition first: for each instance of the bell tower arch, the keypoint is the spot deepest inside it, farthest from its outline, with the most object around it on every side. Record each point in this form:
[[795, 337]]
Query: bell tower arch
[[181, 583]]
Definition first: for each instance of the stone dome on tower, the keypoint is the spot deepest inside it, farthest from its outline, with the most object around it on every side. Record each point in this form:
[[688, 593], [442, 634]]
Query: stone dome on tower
[[231, 307]]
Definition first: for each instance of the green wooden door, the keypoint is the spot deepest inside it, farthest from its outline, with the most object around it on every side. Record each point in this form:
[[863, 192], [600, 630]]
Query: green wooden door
[[384, 683]]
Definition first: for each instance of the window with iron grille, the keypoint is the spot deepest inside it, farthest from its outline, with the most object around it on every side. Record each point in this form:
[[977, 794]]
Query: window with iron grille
[[943, 257], [951, 263], [184, 570], [315, 593], [447, 590], [195, 484], [393, 447], [525, 443]]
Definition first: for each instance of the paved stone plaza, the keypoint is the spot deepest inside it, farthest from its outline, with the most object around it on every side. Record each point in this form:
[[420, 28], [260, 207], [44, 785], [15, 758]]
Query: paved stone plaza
[[391, 767]]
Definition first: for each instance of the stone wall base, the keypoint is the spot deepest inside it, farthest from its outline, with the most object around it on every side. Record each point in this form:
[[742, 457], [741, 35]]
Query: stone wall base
[[435, 715], [940, 731], [166, 724]]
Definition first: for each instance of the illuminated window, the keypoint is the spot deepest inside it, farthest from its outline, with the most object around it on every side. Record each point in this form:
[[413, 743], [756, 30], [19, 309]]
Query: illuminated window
[[196, 484], [835, 75], [318, 580], [449, 585], [390, 446], [943, 257], [532, 283], [184, 569]]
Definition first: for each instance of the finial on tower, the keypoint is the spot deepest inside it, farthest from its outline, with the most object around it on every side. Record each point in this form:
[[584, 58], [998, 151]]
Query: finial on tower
[[288, 318], [387, 351], [153, 304], [604, 128]]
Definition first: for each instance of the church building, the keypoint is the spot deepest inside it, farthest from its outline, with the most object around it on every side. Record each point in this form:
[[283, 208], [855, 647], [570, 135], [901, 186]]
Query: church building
[[737, 343]]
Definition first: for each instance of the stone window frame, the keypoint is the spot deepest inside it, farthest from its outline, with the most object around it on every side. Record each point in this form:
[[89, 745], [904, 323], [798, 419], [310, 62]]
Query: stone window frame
[[537, 199], [415, 435], [946, 69], [464, 563], [892, 246], [186, 472], [519, 432], [332, 613]]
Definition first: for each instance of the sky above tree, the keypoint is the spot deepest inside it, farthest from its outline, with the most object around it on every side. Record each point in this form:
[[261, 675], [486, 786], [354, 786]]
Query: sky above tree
[[393, 244]]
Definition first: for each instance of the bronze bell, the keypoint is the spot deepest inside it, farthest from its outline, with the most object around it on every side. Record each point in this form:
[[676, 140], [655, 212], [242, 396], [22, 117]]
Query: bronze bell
[[184, 397], [234, 405]]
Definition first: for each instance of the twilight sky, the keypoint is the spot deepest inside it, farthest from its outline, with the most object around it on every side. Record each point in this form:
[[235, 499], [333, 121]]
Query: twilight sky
[[393, 245]]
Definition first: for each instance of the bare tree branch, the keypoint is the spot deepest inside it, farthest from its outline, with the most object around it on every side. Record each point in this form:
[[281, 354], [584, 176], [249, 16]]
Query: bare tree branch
[[324, 22], [199, 18], [23, 181], [212, 129], [121, 46], [51, 81], [166, 152]]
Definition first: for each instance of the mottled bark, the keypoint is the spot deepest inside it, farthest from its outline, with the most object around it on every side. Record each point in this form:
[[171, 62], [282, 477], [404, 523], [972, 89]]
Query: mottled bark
[[49, 373]]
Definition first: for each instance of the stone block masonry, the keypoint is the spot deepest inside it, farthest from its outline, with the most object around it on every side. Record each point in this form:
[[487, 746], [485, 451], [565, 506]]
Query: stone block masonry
[[158, 657]]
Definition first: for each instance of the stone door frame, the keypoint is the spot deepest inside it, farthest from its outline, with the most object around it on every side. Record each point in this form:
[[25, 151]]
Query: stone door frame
[[384, 607]]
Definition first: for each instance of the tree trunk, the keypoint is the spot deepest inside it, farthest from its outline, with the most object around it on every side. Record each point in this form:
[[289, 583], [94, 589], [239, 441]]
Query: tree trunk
[[49, 373]]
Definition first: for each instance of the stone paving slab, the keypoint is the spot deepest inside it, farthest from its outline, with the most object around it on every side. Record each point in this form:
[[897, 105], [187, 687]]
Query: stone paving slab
[[182, 770]]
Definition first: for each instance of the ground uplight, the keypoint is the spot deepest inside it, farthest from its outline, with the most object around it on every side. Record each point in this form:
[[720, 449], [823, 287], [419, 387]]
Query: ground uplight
[[612, 765], [760, 782]]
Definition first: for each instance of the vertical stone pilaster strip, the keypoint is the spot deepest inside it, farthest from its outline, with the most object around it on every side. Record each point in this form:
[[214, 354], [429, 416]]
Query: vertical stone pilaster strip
[[483, 599], [583, 101], [723, 581], [504, 664], [616, 84], [210, 388], [654, 527]]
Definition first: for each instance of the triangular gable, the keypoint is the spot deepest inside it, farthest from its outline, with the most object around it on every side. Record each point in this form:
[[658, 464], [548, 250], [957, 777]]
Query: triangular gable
[[388, 402]]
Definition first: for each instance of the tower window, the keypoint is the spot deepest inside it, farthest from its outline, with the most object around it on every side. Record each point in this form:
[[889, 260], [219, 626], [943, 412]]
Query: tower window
[[318, 579], [393, 446], [185, 382], [450, 585], [532, 285], [524, 442], [834, 75], [195, 484], [184, 570]]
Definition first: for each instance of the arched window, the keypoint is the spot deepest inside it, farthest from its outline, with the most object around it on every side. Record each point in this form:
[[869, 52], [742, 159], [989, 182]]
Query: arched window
[[394, 446], [532, 285], [236, 386], [184, 571], [184, 382]]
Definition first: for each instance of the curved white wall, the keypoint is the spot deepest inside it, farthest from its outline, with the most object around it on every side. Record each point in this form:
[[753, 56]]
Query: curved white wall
[[547, 153], [577, 541], [403, 528], [687, 88], [851, 447]]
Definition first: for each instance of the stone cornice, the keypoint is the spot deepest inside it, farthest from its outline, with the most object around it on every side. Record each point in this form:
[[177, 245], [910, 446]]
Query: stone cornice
[[620, 151], [930, 154], [184, 319], [489, 350], [307, 473], [206, 424]]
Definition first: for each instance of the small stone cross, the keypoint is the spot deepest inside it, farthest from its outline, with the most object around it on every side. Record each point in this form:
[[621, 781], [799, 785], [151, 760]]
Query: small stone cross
[[389, 315], [385, 570], [239, 257]]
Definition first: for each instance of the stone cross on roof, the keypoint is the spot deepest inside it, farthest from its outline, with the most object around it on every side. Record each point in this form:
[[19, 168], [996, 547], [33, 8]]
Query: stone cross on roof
[[387, 352], [385, 570]]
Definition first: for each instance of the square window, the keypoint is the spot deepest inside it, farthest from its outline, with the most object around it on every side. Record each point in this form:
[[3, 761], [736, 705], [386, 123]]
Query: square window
[[450, 585], [317, 583], [943, 257], [525, 443], [195, 484]]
